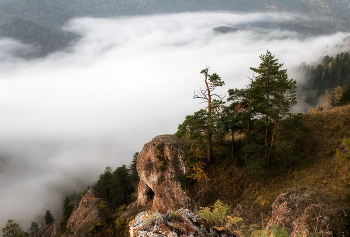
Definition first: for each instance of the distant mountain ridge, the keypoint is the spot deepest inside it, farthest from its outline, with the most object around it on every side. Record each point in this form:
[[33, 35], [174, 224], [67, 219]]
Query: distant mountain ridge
[[56, 13], [49, 16]]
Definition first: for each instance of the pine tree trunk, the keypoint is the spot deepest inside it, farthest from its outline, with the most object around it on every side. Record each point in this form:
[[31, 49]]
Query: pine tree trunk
[[233, 147]]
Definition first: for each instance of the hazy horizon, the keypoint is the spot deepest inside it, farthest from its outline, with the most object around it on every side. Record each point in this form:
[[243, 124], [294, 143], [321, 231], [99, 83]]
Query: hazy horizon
[[67, 116]]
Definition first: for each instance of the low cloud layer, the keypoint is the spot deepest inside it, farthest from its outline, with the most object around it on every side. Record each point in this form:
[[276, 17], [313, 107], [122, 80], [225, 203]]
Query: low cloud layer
[[64, 118]]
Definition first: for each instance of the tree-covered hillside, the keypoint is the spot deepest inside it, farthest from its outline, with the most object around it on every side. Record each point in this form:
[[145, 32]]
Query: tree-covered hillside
[[56, 13], [326, 76], [47, 40]]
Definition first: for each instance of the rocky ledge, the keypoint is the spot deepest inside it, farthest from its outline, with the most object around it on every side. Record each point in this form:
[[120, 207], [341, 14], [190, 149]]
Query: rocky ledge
[[182, 223]]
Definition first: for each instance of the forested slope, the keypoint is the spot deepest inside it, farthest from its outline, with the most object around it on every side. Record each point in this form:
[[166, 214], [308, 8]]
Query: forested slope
[[58, 12]]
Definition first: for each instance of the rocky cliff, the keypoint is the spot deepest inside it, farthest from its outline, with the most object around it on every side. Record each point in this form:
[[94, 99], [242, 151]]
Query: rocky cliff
[[91, 211], [52, 229], [159, 164]]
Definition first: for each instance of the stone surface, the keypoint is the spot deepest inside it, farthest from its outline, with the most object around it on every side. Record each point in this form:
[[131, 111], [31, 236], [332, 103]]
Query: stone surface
[[302, 215], [172, 224], [49, 230], [89, 212], [159, 164]]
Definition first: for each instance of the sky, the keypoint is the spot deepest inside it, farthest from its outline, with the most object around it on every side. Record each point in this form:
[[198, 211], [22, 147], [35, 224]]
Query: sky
[[65, 117]]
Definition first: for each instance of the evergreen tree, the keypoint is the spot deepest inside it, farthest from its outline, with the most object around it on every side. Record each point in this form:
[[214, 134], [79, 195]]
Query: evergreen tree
[[115, 187], [48, 217], [133, 172], [12, 229], [271, 94], [345, 98], [103, 185], [235, 115], [34, 227], [67, 210], [211, 82], [121, 186]]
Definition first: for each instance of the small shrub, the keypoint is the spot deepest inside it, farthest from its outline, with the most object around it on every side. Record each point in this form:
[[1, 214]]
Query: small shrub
[[150, 220], [217, 214], [162, 165], [122, 226], [175, 217], [231, 223], [247, 231], [102, 206], [186, 182], [279, 232]]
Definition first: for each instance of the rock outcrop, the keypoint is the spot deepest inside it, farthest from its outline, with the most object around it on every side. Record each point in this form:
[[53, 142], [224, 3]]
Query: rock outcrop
[[172, 224], [52, 229], [91, 210], [302, 215], [159, 164]]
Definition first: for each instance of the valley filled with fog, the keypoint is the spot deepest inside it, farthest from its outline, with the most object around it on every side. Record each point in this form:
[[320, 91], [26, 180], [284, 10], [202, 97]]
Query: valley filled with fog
[[66, 116]]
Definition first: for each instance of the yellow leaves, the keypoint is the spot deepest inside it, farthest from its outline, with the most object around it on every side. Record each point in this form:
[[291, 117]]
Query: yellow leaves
[[333, 98], [232, 223], [217, 214], [199, 173], [219, 228], [102, 206]]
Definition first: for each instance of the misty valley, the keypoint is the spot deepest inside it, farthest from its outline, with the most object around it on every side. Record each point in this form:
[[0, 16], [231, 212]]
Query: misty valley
[[176, 118]]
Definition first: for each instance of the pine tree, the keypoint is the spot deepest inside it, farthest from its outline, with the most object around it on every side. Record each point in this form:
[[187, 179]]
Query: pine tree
[[34, 227], [211, 82], [235, 116], [133, 172], [67, 210], [345, 99], [271, 94], [48, 217], [103, 185], [121, 186]]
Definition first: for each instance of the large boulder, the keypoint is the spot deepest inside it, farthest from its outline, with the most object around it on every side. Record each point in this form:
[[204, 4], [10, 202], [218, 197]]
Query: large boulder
[[159, 165]]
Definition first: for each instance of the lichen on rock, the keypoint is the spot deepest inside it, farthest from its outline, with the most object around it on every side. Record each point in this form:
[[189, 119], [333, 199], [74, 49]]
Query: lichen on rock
[[182, 223]]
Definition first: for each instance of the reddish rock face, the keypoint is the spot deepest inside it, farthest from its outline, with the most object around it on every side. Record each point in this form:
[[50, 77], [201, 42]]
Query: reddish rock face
[[86, 214], [82, 219], [159, 164]]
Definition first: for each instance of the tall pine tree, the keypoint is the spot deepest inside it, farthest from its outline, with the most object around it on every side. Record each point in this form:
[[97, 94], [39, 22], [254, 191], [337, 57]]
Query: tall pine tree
[[271, 94], [67, 210]]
